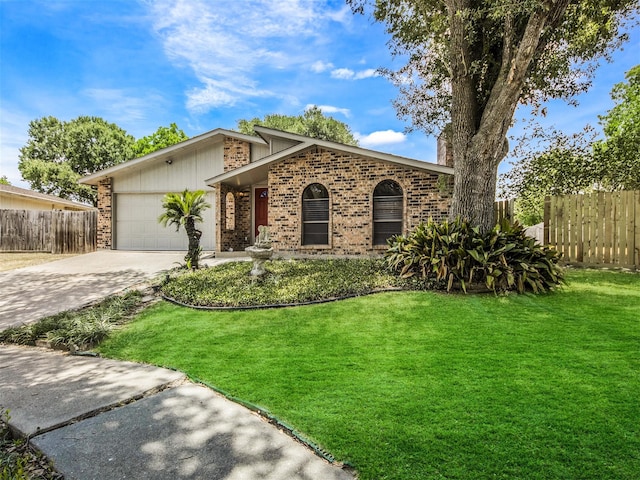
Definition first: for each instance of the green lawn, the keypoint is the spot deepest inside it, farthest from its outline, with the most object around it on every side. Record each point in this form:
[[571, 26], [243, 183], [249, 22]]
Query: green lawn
[[416, 385]]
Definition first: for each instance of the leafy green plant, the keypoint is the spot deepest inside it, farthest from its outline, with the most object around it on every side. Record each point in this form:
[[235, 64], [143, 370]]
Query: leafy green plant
[[454, 256], [82, 328]]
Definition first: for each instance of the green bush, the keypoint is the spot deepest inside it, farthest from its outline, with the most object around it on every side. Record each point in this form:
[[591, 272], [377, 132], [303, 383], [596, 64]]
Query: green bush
[[454, 256]]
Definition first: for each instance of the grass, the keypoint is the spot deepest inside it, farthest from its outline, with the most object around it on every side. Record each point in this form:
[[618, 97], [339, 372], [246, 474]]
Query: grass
[[286, 282], [419, 385], [11, 261]]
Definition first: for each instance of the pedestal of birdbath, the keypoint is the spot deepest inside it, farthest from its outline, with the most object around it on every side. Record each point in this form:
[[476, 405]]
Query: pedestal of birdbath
[[259, 255]]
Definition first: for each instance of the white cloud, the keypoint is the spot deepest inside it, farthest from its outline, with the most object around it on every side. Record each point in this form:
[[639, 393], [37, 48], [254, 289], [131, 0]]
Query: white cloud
[[221, 93], [382, 137], [348, 74], [320, 66], [117, 103], [228, 45], [330, 109]]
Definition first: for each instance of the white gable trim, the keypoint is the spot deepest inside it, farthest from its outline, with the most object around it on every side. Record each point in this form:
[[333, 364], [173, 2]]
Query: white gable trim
[[168, 152]]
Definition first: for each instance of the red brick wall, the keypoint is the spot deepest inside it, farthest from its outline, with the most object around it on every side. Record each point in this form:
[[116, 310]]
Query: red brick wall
[[105, 199], [350, 181]]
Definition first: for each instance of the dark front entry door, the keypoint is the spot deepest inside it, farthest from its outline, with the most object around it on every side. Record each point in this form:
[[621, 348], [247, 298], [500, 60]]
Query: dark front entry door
[[261, 211]]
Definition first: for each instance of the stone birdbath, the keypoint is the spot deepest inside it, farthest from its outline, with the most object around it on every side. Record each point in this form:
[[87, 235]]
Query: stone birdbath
[[261, 251]]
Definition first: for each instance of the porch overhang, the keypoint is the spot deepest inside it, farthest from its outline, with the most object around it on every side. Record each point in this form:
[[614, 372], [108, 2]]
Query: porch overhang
[[255, 172]]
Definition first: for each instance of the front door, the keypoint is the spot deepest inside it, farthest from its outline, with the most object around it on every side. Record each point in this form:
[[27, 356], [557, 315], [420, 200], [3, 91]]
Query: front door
[[261, 208]]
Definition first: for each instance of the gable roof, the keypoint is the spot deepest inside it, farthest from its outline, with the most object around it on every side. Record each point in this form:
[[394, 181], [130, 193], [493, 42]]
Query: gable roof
[[30, 194], [257, 170], [166, 153]]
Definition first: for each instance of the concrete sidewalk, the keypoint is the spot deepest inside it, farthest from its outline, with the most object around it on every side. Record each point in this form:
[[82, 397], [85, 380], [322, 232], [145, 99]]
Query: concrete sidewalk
[[99, 418]]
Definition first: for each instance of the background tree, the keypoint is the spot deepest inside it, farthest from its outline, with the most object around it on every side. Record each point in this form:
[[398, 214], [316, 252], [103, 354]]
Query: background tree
[[4, 180], [619, 152], [549, 163], [473, 62], [161, 138], [312, 123], [58, 153], [186, 209], [552, 163]]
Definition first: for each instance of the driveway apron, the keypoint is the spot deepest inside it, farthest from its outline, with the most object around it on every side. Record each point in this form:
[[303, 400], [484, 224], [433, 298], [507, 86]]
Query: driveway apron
[[30, 293]]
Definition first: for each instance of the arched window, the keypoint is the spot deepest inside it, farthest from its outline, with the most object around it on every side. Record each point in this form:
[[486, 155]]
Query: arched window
[[315, 215], [387, 211], [230, 213]]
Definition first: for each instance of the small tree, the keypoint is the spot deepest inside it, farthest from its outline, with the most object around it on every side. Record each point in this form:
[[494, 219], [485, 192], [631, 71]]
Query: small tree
[[186, 209]]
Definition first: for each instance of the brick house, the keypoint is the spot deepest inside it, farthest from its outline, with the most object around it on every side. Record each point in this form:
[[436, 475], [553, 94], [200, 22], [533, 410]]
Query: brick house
[[316, 196]]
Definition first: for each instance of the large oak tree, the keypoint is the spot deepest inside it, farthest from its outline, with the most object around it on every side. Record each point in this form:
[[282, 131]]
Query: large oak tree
[[58, 153], [471, 62]]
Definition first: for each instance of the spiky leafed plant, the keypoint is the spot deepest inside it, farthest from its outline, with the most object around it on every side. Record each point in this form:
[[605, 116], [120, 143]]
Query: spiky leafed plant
[[186, 209]]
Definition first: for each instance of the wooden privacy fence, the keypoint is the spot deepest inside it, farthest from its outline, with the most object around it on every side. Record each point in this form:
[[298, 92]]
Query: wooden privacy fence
[[503, 209], [55, 231], [597, 228]]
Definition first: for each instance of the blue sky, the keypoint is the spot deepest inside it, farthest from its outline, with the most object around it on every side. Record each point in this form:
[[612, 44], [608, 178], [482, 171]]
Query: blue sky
[[207, 64]]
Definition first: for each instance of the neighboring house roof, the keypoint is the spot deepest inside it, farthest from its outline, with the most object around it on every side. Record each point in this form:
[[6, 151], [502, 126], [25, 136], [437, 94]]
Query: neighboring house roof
[[168, 152], [257, 170], [10, 190]]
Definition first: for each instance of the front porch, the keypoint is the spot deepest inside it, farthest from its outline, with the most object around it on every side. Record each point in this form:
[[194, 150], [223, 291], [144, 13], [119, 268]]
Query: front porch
[[240, 210]]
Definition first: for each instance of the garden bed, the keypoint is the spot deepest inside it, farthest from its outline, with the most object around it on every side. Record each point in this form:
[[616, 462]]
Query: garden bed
[[286, 283]]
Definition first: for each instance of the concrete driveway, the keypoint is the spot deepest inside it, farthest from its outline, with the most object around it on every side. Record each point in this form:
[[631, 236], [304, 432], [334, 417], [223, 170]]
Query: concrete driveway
[[30, 293]]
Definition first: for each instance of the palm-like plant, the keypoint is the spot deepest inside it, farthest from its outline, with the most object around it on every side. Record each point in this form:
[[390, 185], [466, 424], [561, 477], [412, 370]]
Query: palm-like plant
[[186, 209]]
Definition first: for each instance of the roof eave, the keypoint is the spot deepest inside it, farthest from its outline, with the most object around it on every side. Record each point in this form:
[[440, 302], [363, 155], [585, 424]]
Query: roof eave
[[265, 132], [166, 152]]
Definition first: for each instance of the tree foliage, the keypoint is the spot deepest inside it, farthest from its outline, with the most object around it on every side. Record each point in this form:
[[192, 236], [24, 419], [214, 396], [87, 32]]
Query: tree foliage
[[619, 152], [4, 180], [471, 62], [162, 138], [552, 163], [185, 209], [313, 123], [58, 153], [549, 163]]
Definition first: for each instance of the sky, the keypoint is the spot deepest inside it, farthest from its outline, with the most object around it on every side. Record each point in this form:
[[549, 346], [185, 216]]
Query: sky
[[205, 64]]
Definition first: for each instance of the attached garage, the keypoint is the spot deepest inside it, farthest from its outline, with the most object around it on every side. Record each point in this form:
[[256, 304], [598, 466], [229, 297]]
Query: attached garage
[[137, 228]]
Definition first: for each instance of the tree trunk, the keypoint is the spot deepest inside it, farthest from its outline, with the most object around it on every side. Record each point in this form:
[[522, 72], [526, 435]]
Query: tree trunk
[[193, 255], [474, 188], [479, 133]]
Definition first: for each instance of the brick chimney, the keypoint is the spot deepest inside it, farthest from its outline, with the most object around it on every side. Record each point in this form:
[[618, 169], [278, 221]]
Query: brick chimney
[[444, 150]]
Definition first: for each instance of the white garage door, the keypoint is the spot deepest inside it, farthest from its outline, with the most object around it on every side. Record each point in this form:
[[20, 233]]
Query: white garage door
[[137, 226]]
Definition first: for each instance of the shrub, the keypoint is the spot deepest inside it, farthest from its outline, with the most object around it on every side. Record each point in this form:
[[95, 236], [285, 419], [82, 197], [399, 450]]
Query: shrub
[[454, 255]]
